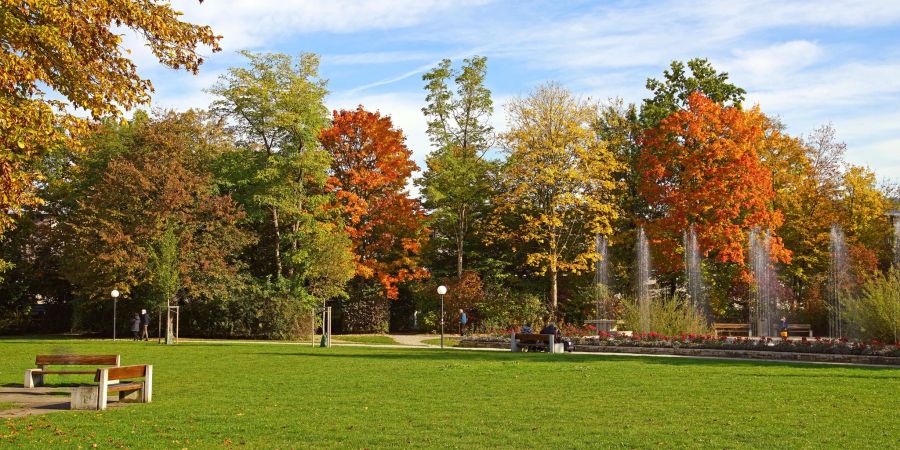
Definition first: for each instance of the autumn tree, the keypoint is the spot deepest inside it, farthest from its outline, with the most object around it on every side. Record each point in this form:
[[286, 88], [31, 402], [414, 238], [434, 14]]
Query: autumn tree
[[557, 184], [701, 166], [275, 108], [74, 49], [862, 209], [455, 185], [808, 211], [370, 168], [154, 193]]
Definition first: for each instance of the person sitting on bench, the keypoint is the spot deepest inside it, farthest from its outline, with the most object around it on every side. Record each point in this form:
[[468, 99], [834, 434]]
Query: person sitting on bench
[[550, 328]]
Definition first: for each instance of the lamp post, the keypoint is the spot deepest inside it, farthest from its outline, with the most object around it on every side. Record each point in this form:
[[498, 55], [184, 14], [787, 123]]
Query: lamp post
[[115, 296], [441, 290]]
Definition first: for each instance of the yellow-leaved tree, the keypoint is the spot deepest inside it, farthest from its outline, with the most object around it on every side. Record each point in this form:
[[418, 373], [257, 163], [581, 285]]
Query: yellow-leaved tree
[[74, 50], [557, 190]]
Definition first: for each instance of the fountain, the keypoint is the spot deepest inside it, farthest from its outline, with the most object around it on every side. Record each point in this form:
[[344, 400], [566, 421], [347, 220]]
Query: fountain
[[838, 278], [601, 285], [897, 242], [601, 274], [763, 301], [642, 279], [692, 274]]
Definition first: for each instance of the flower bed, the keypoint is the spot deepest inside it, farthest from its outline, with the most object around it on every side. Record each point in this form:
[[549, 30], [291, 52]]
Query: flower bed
[[817, 349]]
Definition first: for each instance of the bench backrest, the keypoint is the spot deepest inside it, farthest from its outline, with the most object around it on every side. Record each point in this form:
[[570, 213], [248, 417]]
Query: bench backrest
[[76, 360], [122, 373], [799, 326], [731, 326], [533, 338]]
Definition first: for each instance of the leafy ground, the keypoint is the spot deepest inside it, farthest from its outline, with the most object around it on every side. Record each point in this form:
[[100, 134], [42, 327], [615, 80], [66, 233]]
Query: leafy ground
[[283, 396], [365, 339]]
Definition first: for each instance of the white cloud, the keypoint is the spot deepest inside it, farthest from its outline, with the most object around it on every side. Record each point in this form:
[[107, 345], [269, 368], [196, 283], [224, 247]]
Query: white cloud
[[775, 61], [378, 58], [790, 56], [246, 24]]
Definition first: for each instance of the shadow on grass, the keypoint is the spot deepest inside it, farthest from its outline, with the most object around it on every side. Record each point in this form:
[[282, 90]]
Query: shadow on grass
[[469, 355]]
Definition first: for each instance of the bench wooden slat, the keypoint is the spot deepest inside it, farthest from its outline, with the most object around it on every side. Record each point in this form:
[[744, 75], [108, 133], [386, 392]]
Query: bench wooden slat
[[533, 338], [731, 326], [133, 386], [122, 373], [63, 372], [76, 360], [140, 391]]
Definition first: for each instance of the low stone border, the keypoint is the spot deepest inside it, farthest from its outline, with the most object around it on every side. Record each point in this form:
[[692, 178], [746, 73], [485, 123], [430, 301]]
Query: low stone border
[[712, 353]]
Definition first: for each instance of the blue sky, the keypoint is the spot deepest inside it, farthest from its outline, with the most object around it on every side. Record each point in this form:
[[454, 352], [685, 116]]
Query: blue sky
[[808, 62]]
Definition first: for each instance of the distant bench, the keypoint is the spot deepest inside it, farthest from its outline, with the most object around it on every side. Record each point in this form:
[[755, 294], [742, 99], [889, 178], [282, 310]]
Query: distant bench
[[531, 342], [731, 329], [115, 379], [35, 377], [743, 329], [800, 328]]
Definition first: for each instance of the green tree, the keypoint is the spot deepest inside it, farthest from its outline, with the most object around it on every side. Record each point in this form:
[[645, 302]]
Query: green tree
[[275, 108], [163, 269], [672, 92], [456, 184]]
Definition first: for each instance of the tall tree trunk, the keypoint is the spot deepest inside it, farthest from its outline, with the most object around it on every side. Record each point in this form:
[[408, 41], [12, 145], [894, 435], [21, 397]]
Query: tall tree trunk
[[459, 257], [294, 228], [553, 290], [460, 241], [277, 241]]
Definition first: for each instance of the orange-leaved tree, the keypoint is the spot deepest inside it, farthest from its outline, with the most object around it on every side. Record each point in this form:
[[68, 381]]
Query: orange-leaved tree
[[370, 171], [701, 166]]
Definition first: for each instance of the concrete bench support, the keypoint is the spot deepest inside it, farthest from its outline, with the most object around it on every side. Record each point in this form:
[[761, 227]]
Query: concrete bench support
[[85, 398], [33, 379]]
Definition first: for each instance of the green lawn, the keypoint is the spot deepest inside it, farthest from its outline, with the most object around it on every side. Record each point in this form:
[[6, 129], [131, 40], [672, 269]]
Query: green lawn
[[365, 339], [448, 342], [283, 396]]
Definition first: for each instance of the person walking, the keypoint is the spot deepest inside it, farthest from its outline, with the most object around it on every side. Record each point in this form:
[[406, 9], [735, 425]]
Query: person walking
[[136, 326], [463, 320], [145, 325]]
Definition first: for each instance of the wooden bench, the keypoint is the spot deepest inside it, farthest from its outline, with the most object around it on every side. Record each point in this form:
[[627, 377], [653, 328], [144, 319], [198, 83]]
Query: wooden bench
[[531, 342], [35, 377], [731, 329], [115, 379], [803, 329]]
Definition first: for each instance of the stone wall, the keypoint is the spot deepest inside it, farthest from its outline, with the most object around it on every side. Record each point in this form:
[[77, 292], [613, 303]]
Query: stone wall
[[705, 352]]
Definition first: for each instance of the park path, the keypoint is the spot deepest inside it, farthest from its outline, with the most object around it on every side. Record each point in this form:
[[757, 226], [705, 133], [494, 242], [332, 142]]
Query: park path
[[39, 400], [413, 340]]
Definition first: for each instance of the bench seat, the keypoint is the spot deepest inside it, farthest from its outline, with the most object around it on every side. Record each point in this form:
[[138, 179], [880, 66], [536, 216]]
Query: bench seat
[[115, 379], [526, 341], [35, 377], [730, 329]]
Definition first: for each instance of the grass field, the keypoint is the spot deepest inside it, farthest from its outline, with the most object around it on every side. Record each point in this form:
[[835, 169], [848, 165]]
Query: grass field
[[283, 396], [448, 342], [365, 339]]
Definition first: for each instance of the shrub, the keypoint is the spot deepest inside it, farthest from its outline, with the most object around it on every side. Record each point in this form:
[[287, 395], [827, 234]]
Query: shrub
[[503, 308], [366, 311], [875, 312], [668, 316]]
